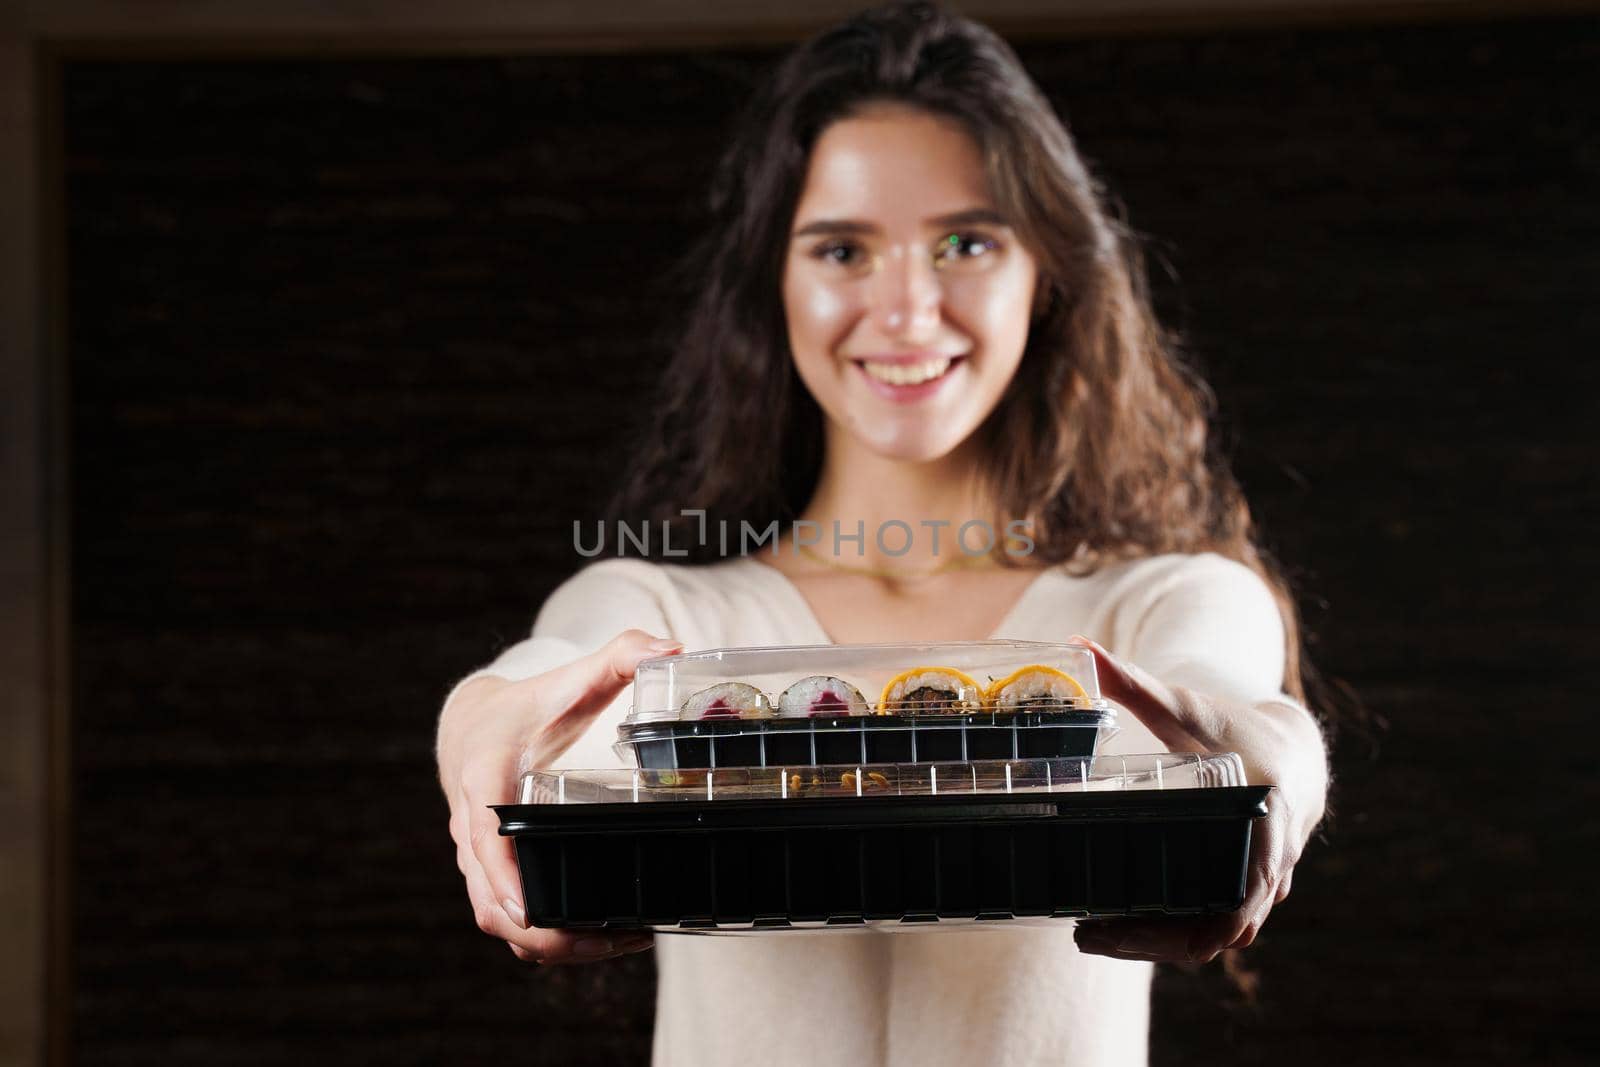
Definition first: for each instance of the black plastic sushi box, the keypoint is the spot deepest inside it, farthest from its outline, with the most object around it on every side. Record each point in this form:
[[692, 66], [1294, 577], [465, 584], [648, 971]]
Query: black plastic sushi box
[[878, 786]]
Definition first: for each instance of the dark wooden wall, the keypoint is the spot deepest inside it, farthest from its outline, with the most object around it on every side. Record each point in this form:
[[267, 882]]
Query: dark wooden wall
[[352, 341]]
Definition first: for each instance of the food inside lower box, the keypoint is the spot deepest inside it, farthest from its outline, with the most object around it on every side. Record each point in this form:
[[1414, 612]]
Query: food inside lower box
[[758, 847], [858, 704]]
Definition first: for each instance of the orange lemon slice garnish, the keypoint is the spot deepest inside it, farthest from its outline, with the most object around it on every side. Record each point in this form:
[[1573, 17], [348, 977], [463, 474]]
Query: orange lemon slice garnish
[[964, 679], [992, 694]]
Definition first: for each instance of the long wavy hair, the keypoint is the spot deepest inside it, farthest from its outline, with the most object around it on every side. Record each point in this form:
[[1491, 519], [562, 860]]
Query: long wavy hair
[[1102, 438]]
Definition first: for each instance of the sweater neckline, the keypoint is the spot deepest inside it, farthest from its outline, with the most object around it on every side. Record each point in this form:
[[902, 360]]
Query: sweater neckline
[[803, 611]]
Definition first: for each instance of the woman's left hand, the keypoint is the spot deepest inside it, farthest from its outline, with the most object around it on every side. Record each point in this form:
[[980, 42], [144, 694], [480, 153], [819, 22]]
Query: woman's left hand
[[1281, 746]]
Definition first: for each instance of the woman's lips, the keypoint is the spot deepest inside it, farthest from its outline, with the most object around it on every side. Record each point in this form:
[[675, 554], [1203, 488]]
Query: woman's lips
[[904, 382]]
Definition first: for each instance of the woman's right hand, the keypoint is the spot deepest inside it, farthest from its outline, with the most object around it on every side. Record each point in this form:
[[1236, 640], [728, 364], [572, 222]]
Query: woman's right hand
[[491, 733]]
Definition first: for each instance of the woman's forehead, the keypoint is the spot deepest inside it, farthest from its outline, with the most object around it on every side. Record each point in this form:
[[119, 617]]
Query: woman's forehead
[[893, 166]]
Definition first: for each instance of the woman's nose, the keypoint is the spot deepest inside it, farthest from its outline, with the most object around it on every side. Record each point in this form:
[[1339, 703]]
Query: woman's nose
[[906, 295]]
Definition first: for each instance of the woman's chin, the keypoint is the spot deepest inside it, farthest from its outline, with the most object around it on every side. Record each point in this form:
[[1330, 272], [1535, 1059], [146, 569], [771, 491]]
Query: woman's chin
[[913, 444]]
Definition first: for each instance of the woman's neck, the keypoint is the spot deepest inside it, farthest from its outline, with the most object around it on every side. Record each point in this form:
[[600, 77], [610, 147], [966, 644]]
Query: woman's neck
[[899, 508]]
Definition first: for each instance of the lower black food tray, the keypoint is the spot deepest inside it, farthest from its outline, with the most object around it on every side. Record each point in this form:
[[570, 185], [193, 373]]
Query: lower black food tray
[[839, 860], [845, 740]]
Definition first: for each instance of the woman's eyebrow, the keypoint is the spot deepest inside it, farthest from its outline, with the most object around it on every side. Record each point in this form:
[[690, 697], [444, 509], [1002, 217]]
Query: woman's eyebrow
[[967, 217], [835, 226], [971, 216]]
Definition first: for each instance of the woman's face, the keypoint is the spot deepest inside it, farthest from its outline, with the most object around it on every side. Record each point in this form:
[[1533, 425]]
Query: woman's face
[[907, 296]]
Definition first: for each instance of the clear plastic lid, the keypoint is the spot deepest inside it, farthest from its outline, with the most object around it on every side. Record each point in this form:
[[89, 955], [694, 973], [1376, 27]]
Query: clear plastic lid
[[1166, 770], [849, 680]]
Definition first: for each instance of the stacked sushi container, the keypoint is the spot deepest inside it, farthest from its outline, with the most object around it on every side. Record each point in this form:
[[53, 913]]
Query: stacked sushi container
[[866, 704], [877, 785]]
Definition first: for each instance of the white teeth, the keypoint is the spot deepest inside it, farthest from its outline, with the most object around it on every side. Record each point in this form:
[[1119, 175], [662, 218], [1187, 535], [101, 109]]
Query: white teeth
[[907, 373]]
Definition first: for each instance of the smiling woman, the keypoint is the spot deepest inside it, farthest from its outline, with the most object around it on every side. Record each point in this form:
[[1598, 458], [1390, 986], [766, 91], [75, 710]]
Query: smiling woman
[[913, 312]]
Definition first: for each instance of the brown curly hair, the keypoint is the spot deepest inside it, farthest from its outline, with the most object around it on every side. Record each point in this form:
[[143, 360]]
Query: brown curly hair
[[1102, 437]]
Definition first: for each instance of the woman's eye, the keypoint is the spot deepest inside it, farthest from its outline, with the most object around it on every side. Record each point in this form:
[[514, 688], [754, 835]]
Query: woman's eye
[[959, 247], [842, 253]]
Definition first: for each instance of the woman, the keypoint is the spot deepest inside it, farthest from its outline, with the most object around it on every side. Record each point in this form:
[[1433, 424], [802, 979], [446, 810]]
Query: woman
[[912, 308]]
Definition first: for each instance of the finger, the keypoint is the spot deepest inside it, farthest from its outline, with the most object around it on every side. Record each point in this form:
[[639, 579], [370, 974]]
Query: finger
[[1260, 892], [487, 910], [527, 956], [1162, 708], [460, 834], [1161, 939], [494, 856], [1252, 928], [579, 691], [588, 947], [1266, 874], [546, 946]]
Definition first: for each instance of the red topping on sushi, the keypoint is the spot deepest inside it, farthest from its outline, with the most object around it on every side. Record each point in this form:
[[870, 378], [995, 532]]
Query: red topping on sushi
[[720, 709], [828, 702]]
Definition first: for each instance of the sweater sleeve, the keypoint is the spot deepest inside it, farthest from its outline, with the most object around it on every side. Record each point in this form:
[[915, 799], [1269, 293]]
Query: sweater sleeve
[[581, 615], [1212, 624]]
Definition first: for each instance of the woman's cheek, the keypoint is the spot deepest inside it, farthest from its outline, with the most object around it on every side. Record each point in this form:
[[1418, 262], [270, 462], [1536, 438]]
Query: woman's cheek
[[823, 307], [1001, 309], [819, 319]]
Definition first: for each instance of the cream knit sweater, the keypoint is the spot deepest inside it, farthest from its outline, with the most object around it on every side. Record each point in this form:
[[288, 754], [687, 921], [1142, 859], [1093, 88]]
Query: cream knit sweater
[[918, 998]]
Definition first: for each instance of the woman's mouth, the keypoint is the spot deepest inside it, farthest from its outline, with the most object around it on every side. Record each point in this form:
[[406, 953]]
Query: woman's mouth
[[903, 381]]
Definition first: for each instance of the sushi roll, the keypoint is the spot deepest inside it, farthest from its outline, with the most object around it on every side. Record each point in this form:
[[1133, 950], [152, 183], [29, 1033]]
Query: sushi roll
[[821, 694], [1035, 688], [730, 700], [930, 691]]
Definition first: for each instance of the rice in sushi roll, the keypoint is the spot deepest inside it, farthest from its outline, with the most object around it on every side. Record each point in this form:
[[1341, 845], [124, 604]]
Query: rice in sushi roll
[[730, 700], [821, 694], [1035, 688], [930, 691]]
